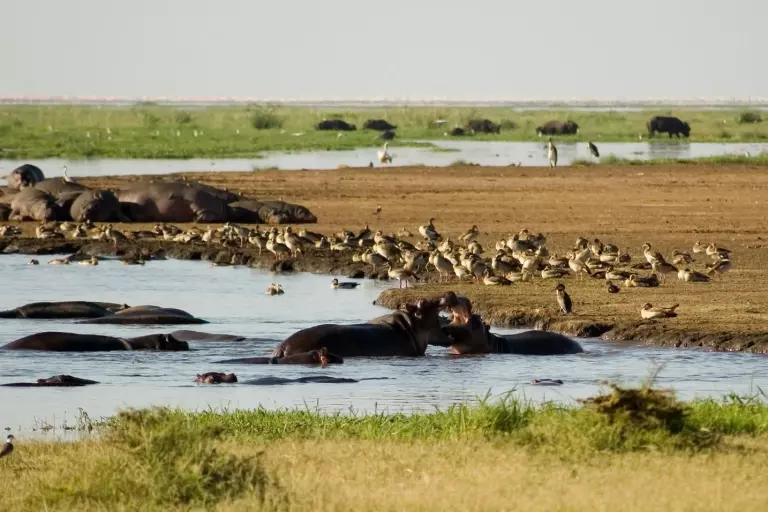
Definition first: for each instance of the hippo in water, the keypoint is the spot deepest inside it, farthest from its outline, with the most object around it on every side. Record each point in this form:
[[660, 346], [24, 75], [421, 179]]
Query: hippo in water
[[185, 335], [406, 332], [469, 335], [63, 310], [147, 315], [25, 176], [321, 357], [59, 381], [74, 342], [171, 201], [215, 378]]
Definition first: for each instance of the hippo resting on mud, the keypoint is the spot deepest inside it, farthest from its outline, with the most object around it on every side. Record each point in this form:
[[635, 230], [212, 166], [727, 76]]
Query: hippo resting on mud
[[469, 335], [171, 201], [321, 357], [25, 176], [251, 211], [57, 381], [63, 310], [72, 342], [669, 125], [147, 315], [405, 332]]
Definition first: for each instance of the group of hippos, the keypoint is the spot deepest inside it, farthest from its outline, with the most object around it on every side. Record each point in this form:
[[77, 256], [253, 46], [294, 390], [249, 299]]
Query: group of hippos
[[405, 332], [30, 196], [658, 124]]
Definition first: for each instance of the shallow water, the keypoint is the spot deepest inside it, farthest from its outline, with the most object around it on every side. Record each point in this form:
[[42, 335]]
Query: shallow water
[[450, 151], [232, 299]]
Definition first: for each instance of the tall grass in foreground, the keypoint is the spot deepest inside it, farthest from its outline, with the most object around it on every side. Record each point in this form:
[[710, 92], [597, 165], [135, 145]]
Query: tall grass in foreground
[[163, 459]]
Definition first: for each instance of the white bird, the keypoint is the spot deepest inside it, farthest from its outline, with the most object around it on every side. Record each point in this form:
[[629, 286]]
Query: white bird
[[66, 176], [552, 154], [385, 157]]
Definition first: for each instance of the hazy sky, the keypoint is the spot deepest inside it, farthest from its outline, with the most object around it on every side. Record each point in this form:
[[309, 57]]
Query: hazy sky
[[386, 49]]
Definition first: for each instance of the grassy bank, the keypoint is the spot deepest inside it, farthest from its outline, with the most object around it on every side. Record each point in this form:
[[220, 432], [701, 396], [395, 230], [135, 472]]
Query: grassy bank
[[150, 131], [501, 455]]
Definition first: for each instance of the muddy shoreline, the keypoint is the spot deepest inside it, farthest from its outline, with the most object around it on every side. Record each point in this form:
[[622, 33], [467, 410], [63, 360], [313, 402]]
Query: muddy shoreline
[[657, 333]]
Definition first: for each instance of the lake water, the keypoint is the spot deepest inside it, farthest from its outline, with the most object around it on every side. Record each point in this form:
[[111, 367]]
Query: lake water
[[447, 152], [232, 299]]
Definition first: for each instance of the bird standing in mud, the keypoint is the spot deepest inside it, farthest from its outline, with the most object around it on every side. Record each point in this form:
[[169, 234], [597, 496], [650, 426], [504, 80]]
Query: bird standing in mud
[[649, 312], [563, 299], [552, 154], [7, 448], [593, 149]]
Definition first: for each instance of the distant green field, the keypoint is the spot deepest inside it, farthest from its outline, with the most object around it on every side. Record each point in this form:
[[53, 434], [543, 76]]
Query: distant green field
[[151, 131]]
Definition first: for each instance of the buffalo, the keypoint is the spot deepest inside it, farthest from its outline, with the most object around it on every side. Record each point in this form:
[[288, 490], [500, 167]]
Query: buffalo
[[483, 126], [669, 125], [558, 128], [380, 125], [335, 124]]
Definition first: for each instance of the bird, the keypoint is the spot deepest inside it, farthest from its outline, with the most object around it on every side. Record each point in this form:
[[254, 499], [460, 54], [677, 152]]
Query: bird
[[612, 288], [593, 150], [552, 154], [649, 312], [7, 448], [66, 176], [471, 234], [33, 262], [274, 289], [344, 285], [563, 299], [384, 157], [377, 213]]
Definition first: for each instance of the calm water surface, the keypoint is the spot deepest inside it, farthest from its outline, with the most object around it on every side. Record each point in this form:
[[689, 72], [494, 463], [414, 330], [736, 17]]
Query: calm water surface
[[232, 299], [448, 152]]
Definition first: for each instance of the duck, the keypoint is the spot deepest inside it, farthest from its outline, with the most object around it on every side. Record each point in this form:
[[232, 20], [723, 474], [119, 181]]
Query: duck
[[649, 312], [563, 299], [490, 280], [471, 234], [691, 276], [343, 285], [90, 261], [611, 288], [33, 262], [274, 289]]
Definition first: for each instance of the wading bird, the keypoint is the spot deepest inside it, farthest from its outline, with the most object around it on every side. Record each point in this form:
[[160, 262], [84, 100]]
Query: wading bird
[[384, 157], [593, 150], [563, 299], [552, 154]]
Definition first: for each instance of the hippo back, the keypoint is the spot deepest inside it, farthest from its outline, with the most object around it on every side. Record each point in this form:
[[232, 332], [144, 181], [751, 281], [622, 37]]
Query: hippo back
[[96, 206], [171, 202], [57, 186], [26, 175]]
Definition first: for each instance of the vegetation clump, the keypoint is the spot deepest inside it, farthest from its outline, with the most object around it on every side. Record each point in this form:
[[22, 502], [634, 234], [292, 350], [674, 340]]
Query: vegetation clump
[[750, 117]]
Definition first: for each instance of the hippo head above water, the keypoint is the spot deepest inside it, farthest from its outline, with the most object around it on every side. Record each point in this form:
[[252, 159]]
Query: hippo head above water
[[424, 320]]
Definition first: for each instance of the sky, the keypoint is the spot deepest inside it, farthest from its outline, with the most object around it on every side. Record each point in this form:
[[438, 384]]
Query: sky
[[483, 50]]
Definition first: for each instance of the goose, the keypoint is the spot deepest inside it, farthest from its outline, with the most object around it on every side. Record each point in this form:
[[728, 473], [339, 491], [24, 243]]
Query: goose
[[649, 312], [691, 276], [384, 157], [343, 285], [563, 299], [428, 231], [490, 280], [471, 234], [698, 247], [552, 154], [401, 274], [90, 261], [716, 252], [720, 266]]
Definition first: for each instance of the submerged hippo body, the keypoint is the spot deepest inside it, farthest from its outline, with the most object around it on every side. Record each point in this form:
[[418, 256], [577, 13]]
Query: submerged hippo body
[[185, 335], [25, 176], [322, 357], [59, 381], [63, 310], [475, 338], [73, 342], [148, 315], [401, 333], [172, 201]]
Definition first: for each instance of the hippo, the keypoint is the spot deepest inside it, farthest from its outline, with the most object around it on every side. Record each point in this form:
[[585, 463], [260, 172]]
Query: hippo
[[147, 315], [558, 128], [59, 186], [5, 211], [185, 335], [317, 379], [458, 132], [25, 176], [61, 381], [483, 126], [406, 332], [95, 206], [470, 335], [63, 310], [215, 378], [380, 125], [321, 357], [669, 125], [33, 204], [72, 342], [171, 201], [251, 211], [335, 125], [387, 135]]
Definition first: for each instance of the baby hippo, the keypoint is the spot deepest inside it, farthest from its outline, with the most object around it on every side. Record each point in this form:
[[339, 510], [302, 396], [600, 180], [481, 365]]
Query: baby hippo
[[215, 378]]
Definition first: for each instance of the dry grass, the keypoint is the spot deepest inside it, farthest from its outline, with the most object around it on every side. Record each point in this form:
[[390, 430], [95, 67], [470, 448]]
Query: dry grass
[[671, 207]]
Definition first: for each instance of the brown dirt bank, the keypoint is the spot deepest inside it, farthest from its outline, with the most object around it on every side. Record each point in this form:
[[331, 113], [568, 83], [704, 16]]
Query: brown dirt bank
[[671, 207]]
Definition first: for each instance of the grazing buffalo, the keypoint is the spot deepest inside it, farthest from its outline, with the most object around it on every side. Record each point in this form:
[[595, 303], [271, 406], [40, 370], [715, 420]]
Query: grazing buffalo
[[25, 176], [58, 381], [469, 335], [387, 135], [73, 342], [269, 212], [147, 315], [335, 125], [405, 332], [63, 310], [171, 201], [378, 124], [33, 204], [95, 206], [669, 125], [558, 128], [321, 357], [458, 132], [483, 126]]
